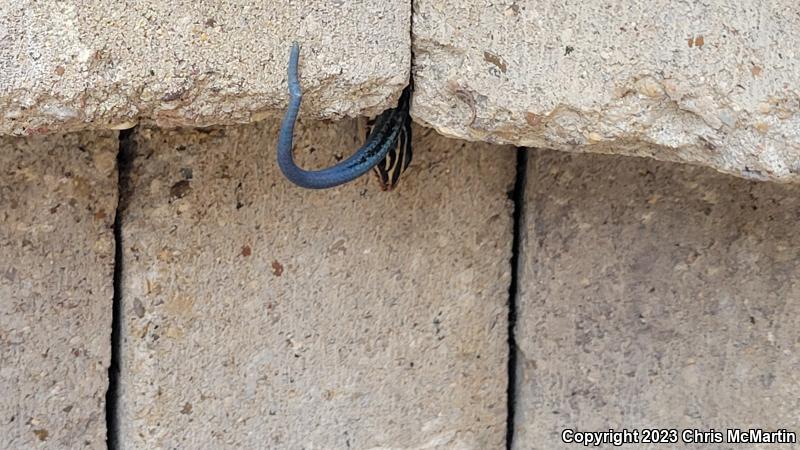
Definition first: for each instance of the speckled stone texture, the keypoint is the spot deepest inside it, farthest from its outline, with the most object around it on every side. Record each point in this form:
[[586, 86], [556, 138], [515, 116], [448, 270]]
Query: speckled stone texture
[[710, 83], [75, 64], [261, 315], [655, 295], [57, 200]]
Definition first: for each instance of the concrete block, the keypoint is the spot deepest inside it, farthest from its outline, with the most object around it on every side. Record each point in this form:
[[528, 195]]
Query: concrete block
[[261, 315], [713, 83], [73, 64], [655, 295], [57, 200]]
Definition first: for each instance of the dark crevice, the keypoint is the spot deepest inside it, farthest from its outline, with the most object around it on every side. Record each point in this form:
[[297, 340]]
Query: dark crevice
[[518, 197], [124, 153]]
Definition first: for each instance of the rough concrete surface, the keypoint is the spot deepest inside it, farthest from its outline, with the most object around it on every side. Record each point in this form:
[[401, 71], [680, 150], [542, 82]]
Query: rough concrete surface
[[57, 201], [711, 83], [655, 295], [66, 65], [261, 315]]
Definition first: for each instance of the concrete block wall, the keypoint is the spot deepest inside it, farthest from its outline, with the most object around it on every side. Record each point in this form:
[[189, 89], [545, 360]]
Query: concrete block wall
[[655, 295], [58, 197], [712, 84], [257, 315], [260, 315], [254, 314]]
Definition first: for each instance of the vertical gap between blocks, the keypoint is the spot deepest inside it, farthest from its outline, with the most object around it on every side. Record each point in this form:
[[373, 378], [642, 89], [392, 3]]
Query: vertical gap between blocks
[[124, 153], [518, 197]]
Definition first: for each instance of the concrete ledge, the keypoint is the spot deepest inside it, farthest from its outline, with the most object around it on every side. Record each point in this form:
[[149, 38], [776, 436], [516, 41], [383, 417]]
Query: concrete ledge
[[68, 65], [57, 201], [261, 315], [714, 84]]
